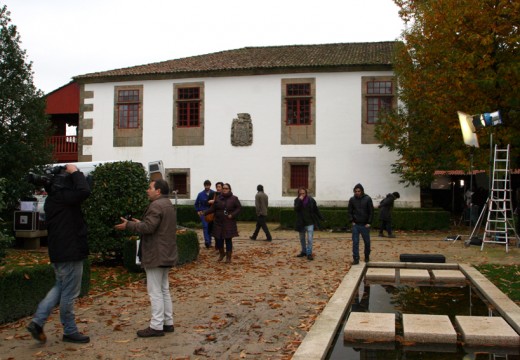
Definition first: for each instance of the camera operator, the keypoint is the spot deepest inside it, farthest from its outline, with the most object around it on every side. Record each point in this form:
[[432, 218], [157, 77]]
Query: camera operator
[[68, 248]]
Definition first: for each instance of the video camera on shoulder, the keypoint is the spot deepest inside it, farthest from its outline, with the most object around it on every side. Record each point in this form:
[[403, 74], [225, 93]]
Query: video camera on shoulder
[[54, 178]]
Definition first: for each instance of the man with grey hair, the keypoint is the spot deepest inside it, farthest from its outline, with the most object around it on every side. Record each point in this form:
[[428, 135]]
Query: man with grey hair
[[261, 204]]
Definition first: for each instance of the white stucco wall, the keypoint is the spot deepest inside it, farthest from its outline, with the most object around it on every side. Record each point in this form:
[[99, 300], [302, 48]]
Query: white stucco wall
[[341, 159]]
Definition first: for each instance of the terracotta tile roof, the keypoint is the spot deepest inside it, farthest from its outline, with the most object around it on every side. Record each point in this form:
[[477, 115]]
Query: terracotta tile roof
[[267, 59]]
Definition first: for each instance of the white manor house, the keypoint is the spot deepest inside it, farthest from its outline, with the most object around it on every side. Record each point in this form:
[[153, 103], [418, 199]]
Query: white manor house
[[280, 116]]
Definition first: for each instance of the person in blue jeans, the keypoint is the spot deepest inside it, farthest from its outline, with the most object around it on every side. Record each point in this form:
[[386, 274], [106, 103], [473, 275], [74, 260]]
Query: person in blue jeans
[[308, 217], [361, 213], [68, 248], [202, 204]]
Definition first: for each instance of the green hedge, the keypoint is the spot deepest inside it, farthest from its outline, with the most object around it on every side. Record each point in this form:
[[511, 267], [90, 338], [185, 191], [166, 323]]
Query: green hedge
[[337, 218], [186, 214], [402, 219], [187, 246], [22, 289], [119, 189]]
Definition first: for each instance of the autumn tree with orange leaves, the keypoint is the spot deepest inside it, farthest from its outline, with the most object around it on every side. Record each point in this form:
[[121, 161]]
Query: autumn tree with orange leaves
[[455, 55]]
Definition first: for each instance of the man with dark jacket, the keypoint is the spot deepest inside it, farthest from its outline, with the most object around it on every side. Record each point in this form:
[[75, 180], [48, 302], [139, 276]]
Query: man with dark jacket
[[203, 202], [158, 231], [261, 204], [67, 242], [361, 213], [385, 213]]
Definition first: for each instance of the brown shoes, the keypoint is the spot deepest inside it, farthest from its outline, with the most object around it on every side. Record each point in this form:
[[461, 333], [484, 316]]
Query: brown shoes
[[149, 332]]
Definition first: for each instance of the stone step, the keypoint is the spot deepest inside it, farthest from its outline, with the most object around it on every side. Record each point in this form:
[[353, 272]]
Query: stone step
[[491, 331], [431, 329], [438, 276]]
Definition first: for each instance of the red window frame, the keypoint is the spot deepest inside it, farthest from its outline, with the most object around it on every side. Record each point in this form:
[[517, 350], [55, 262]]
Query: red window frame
[[298, 104], [380, 96], [128, 104], [299, 176], [188, 107]]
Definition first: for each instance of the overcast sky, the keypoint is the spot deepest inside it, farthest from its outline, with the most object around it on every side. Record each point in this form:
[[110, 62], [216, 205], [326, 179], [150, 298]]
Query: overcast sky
[[65, 38]]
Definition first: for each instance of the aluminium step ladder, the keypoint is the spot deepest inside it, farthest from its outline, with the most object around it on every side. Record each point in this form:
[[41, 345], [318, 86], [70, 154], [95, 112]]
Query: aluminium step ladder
[[500, 225]]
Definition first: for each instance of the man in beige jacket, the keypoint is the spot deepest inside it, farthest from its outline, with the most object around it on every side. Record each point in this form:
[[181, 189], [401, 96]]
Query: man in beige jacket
[[158, 253]]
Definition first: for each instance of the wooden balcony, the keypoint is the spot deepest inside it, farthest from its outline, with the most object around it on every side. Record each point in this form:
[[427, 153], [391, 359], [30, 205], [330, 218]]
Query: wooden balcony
[[65, 148]]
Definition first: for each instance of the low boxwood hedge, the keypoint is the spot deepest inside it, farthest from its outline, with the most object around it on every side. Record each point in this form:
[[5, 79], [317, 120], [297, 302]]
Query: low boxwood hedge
[[22, 289], [337, 217], [402, 219], [186, 214], [187, 246]]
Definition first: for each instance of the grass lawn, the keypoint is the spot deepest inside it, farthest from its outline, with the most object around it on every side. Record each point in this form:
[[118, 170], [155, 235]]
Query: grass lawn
[[505, 277]]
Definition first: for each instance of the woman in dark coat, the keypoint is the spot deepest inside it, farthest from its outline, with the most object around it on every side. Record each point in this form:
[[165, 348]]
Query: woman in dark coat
[[226, 208], [307, 219], [385, 213]]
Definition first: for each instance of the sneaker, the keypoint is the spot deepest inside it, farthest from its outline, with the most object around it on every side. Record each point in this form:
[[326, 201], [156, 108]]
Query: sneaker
[[310, 257], [36, 332], [168, 328], [391, 236], [269, 240], [367, 258], [149, 332], [252, 238], [77, 338], [355, 262], [301, 255]]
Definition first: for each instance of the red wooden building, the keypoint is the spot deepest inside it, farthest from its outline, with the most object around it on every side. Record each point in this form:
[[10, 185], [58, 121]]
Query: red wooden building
[[63, 110]]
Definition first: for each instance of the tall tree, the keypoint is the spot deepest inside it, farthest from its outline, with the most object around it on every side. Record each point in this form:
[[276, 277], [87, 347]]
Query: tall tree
[[455, 55], [24, 126]]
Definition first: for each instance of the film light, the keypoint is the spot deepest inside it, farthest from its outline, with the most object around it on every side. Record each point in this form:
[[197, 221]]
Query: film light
[[487, 120]]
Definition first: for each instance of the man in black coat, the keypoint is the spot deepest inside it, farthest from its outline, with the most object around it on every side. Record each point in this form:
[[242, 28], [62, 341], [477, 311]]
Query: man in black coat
[[385, 213], [361, 213], [68, 248]]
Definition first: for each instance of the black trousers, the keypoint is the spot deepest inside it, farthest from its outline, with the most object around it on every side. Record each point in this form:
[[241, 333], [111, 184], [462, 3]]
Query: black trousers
[[260, 224]]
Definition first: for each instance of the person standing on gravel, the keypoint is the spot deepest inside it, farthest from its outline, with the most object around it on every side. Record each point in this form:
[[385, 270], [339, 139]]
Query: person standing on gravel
[[307, 218], [361, 213], [158, 253], [68, 248], [226, 209], [261, 204], [202, 202], [385, 213]]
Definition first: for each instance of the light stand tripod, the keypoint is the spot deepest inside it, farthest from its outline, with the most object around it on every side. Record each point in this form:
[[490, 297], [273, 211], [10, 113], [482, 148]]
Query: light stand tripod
[[499, 208]]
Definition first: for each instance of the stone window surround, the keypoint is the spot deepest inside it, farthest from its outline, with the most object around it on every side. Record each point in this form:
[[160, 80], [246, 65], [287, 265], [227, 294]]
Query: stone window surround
[[286, 174], [171, 171], [368, 130], [187, 136], [298, 134], [128, 137]]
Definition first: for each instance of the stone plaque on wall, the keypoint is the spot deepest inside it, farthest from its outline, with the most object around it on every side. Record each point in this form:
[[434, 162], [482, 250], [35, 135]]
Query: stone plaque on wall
[[242, 130]]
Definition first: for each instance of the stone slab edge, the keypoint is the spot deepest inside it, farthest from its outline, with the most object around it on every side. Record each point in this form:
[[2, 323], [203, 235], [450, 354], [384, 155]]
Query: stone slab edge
[[505, 306], [423, 328], [316, 343]]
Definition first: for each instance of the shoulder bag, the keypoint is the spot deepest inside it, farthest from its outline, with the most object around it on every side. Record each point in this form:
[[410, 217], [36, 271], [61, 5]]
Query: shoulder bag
[[210, 217]]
